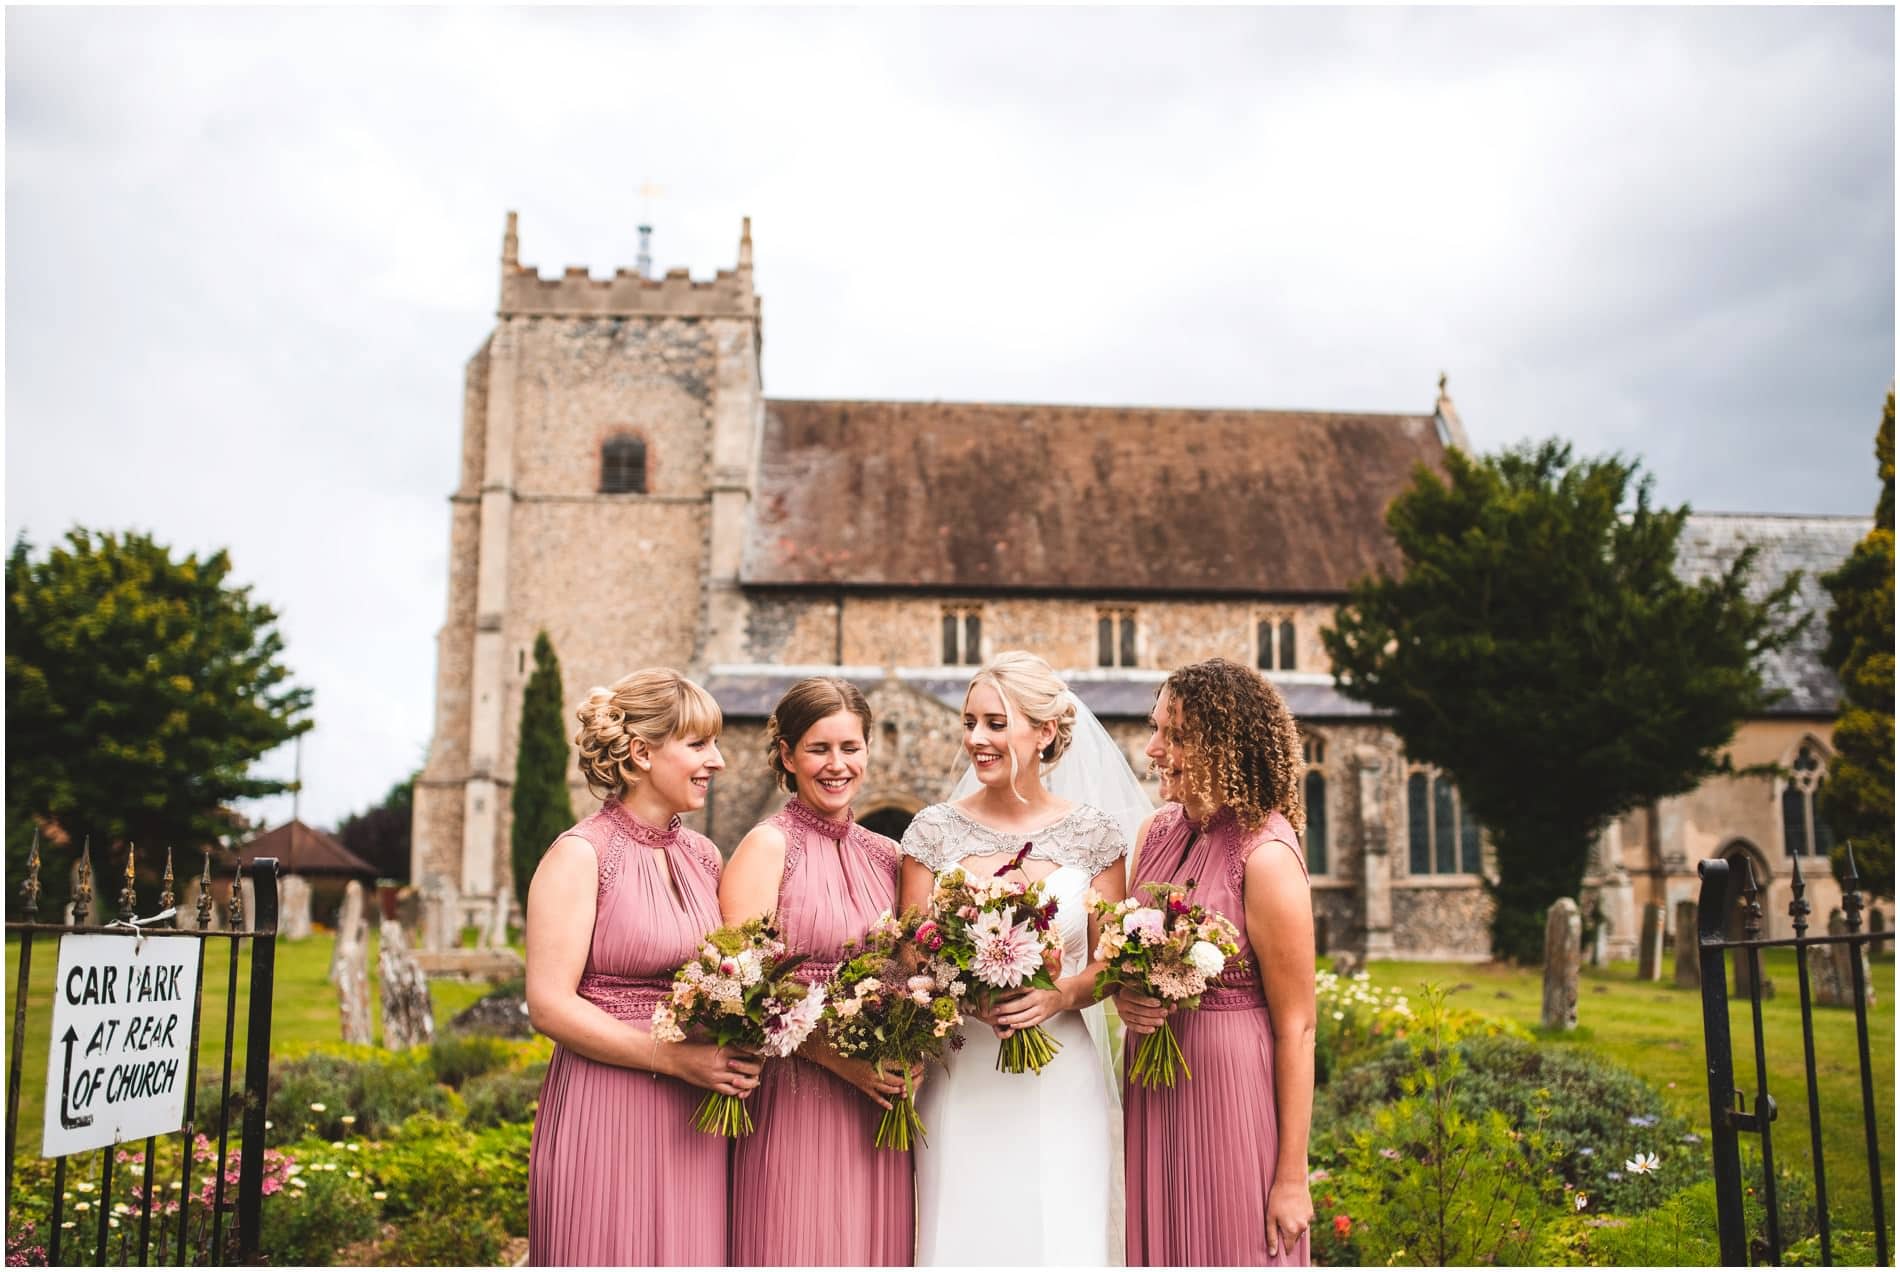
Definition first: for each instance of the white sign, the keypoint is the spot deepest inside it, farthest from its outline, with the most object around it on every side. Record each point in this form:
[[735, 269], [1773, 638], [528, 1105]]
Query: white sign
[[121, 1040]]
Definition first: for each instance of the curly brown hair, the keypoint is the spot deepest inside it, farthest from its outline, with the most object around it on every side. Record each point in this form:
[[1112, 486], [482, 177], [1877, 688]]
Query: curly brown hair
[[1240, 747], [805, 704]]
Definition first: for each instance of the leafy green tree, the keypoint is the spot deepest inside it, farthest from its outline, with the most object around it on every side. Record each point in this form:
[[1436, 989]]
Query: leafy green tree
[[1538, 647], [380, 835], [141, 689], [542, 806], [1858, 797]]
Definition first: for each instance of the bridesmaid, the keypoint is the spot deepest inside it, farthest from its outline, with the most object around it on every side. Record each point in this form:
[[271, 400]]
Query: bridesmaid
[[616, 1174], [1217, 1165], [809, 1186]]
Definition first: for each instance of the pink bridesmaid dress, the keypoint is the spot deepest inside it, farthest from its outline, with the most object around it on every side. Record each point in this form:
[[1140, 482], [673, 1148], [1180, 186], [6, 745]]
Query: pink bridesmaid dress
[[1201, 1157], [809, 1188], [616, 1174]]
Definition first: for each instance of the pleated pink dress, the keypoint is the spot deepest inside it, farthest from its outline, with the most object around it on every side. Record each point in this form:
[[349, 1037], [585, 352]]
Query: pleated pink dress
[[616, 1173], [1201, 1157], [809, 1187]]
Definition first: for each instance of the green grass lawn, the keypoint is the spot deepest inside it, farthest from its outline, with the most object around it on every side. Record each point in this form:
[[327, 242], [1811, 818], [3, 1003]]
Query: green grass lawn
[[305, 1011], [1655, 1029]]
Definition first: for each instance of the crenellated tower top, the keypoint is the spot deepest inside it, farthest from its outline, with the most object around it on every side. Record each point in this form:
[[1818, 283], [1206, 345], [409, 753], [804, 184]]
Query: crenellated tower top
[[577, 294]]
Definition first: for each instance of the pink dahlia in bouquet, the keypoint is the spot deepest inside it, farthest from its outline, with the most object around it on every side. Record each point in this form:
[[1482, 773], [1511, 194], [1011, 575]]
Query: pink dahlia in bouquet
[[741, 993], [1002, 934], [1166, 947], [879, 1010]]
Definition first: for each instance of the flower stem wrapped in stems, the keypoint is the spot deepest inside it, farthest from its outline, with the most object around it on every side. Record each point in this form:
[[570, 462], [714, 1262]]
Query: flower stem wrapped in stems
[[1026, 1051], [900, 1123], [722, 1114]]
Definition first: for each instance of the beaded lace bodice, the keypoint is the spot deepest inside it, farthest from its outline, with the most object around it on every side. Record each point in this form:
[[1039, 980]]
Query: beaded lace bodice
[[1086, 838]]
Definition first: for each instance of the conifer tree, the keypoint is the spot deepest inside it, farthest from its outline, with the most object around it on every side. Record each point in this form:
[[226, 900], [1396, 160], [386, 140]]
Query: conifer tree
[[542, 807], [1857, 799]]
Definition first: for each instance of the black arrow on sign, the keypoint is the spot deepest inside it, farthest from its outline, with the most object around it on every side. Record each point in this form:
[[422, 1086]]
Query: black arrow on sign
[[66, 1119]]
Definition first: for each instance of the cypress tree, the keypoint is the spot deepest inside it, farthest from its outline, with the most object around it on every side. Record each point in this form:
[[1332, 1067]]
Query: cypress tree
[[542, 807]]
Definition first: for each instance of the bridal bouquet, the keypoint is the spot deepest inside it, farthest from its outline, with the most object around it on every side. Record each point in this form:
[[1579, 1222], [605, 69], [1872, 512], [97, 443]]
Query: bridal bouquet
[[879, 1011], [1164, 947], [1003, 934], [740, 990]]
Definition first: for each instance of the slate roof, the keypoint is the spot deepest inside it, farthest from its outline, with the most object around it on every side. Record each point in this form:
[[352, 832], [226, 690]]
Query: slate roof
[[1813, 545], [999, 497]]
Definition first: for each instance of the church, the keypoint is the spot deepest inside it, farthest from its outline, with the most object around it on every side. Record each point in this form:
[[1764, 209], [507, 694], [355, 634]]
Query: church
[[626, 486]]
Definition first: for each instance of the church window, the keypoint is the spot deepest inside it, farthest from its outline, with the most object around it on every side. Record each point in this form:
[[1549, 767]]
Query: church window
[[1443, 838], [1316, 822], [1804, 831], [1276, 646], [623, 465], [1115, 638], [962, 637], [1312, 749]]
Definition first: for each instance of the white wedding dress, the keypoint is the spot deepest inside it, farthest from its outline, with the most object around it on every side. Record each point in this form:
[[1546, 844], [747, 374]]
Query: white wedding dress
[[1023, 1168]]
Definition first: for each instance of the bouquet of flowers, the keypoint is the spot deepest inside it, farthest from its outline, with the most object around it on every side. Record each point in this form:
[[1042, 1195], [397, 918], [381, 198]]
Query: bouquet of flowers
[[1003, 935], [740, 990], [877, 1010], [1167, 948]]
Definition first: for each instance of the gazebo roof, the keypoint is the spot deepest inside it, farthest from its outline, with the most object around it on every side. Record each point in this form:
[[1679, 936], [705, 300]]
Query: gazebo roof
[[304, 850]]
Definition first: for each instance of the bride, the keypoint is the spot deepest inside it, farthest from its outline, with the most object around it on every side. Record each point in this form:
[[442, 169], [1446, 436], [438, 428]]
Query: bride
[[1027, 1168]]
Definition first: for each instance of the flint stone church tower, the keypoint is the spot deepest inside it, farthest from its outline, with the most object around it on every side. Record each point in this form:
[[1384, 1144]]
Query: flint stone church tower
[[626, 486]]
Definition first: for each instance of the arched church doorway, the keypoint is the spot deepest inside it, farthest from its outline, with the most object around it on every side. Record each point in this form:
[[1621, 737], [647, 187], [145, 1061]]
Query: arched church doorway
[[889, 821]]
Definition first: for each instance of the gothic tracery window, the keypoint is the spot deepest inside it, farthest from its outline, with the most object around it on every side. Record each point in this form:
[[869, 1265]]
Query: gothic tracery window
[[1444, 839], [1804, 831]]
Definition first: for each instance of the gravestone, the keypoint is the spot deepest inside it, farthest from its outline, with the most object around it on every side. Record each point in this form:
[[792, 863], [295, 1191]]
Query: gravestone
[[408, 1015], [1563, 953], [1649, 949], [1688, 963], [293, 908], [247, 890], [495, 934], [350, 968], [1827, 972], [441, 915]]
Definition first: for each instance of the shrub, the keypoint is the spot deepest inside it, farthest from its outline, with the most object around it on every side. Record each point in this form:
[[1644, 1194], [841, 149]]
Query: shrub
[[448, 1239], [455, 1058], [1600, 1114], [1422, 1180], [1681, 1230], [308, 1222], [435, 1168], [506, 1095], [313, 1094]]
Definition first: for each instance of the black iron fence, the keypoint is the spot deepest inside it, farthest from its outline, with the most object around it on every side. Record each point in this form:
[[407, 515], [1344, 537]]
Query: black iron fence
[[1732, 1113], [217, 1223]]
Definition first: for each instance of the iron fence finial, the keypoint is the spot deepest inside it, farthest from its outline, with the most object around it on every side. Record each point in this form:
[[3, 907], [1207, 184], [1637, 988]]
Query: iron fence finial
[[167, 900], [32, 888], [204, 894], [128, 895], [82, 894], [1851, 902], [236, 908], [1798, 909], [1751, 902]]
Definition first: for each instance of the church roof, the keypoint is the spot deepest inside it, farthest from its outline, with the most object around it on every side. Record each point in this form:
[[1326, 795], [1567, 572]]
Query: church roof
[[1813, 545], [994, 497]]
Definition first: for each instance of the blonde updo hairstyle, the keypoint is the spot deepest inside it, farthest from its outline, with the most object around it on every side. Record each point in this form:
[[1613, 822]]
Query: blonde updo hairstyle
[[652, 705], [805, 704], [1240, 747], [1030, 688]]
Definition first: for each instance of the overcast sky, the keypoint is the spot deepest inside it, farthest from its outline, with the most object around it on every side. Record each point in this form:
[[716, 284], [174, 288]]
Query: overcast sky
[[248, 252]]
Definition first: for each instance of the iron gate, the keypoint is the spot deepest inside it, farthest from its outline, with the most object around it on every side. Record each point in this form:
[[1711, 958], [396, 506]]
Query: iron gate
[[175, 1243], [1731, 1113]]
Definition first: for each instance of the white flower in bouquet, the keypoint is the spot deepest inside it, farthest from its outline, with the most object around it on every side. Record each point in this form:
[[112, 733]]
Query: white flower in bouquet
[[1207, 958]]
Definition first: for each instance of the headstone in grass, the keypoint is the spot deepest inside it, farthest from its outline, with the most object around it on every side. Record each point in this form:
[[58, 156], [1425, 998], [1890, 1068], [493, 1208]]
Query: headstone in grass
[[352, 990], [293, 908], [441, 915], [1563, 953], [1649, 949], [495, 934], [1688, 968], [408, 1016], [352, 924]]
